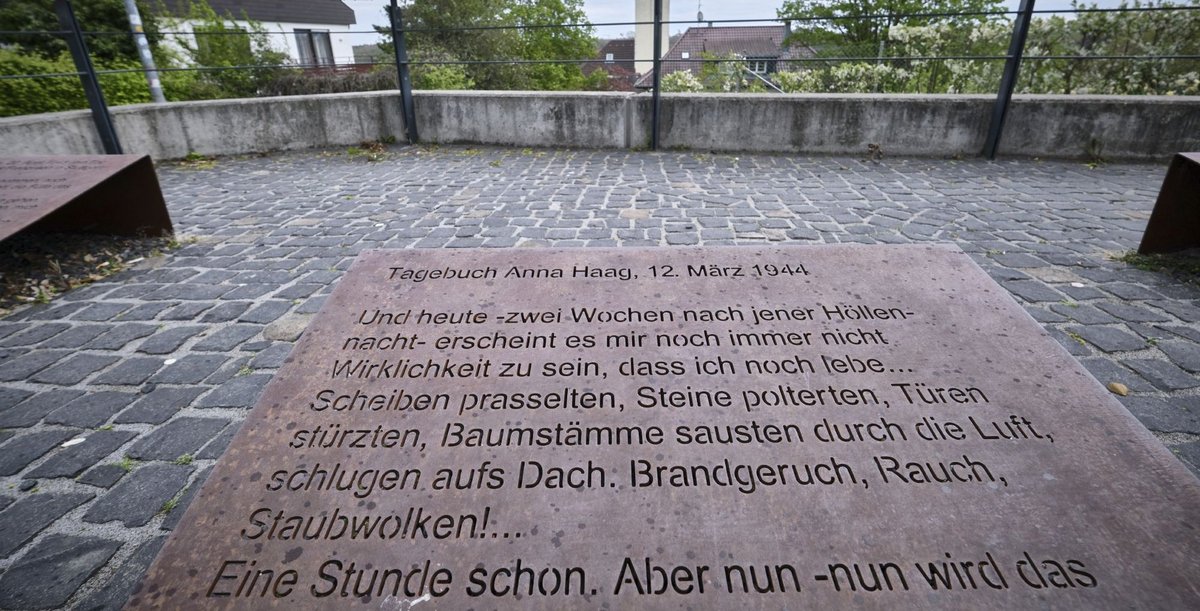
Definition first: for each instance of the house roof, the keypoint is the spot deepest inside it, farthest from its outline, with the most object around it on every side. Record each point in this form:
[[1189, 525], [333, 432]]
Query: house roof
[[622, 61], [621, 74], [750, 41], [332, 12], [621, 48]]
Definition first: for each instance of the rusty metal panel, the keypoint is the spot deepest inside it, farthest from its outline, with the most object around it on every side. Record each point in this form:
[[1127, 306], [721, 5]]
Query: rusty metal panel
[[117, 194], [792, 427], [1175, 222]]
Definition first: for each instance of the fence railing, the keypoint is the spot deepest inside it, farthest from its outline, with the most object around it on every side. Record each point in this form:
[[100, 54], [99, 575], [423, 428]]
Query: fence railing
[[1128, 49]]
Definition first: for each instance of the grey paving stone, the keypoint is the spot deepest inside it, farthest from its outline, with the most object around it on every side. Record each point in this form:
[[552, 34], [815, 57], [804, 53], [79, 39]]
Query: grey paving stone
[[189, 292], [1130, 291], [48, 312], [1072, 345], [18, 452], [1043, 315], [130, 371], [74, 337], [212, 276], [1162, 374], [146, 311], [177, 438], [104, 475], [1082, 293], [226, 339], [241, 391], [169, 340], [1184, 332], [91, 410], [1189, 453], [157, 406], [5, 501], [12, 396], [1032, 290], [188, 310], [272, 357], [185, 499], [58, 565], [226, 311], [1084, 314], [1109, 339], [249, 291], [1163, 415], [1184, 354], [24, 519], [190, 369], [1181, 310], [72, 370], [1018, 260], [117, 591], [215, 448], [20, 367], [303, 291], [73, 460], [140, 496], [120, 336], [266, 312], [104, 311], [34, 335], [312, 306], [1131, 313], [31, 411], [1105, 371]]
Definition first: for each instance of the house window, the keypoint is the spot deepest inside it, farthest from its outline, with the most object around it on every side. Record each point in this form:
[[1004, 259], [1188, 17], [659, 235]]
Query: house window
[[608, 58], [757, 66], [314, 47]]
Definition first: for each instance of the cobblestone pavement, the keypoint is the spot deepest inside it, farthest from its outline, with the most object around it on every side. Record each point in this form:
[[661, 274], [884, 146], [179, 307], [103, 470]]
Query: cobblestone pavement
[[157, 366]]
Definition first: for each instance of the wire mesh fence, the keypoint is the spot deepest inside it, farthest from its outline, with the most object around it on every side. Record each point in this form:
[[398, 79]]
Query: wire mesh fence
[[1150, 50], [1141, 49]]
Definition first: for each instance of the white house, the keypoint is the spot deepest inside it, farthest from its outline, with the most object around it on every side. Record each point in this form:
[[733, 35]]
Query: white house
[[311, 32]]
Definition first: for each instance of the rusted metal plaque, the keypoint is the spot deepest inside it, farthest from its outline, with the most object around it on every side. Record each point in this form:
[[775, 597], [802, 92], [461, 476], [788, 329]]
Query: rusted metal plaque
[[116, 194], [1175, 222], [806, 427]]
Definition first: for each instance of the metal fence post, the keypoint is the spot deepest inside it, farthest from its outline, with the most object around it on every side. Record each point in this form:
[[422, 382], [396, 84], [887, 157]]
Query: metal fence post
[[87, 77], [405, 82], [657, 104], [1016, 48], [143, 47]]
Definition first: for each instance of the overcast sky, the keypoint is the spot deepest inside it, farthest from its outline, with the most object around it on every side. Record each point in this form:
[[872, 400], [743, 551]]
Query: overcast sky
[[370, 12]]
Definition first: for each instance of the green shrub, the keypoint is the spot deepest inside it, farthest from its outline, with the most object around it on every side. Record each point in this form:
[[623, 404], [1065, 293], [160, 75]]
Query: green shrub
[[53, 94], [299, 82]]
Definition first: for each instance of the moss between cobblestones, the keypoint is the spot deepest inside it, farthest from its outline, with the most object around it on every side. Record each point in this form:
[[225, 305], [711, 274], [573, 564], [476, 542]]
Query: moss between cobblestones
[[1184, 266]]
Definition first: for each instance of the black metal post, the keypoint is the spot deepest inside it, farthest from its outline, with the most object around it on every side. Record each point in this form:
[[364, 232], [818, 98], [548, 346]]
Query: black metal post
[[1016, 48], [657, 108], [87, 77], [405, 82]]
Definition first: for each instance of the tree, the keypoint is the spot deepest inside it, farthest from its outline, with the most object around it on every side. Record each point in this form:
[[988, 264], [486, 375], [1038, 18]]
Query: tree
[[94, 16], [475, 31], [544, 42], [842, 22], [1151, 34], [228, 48]]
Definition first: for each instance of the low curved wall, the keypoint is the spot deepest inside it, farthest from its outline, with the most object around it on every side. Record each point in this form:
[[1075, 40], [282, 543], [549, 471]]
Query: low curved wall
[[1115, 127]]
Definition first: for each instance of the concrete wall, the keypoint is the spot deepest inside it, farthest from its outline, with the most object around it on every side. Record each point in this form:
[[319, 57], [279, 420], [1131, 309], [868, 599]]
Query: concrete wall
[[826, 124], [1123, 127], [1044, 126], [587, 120]]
